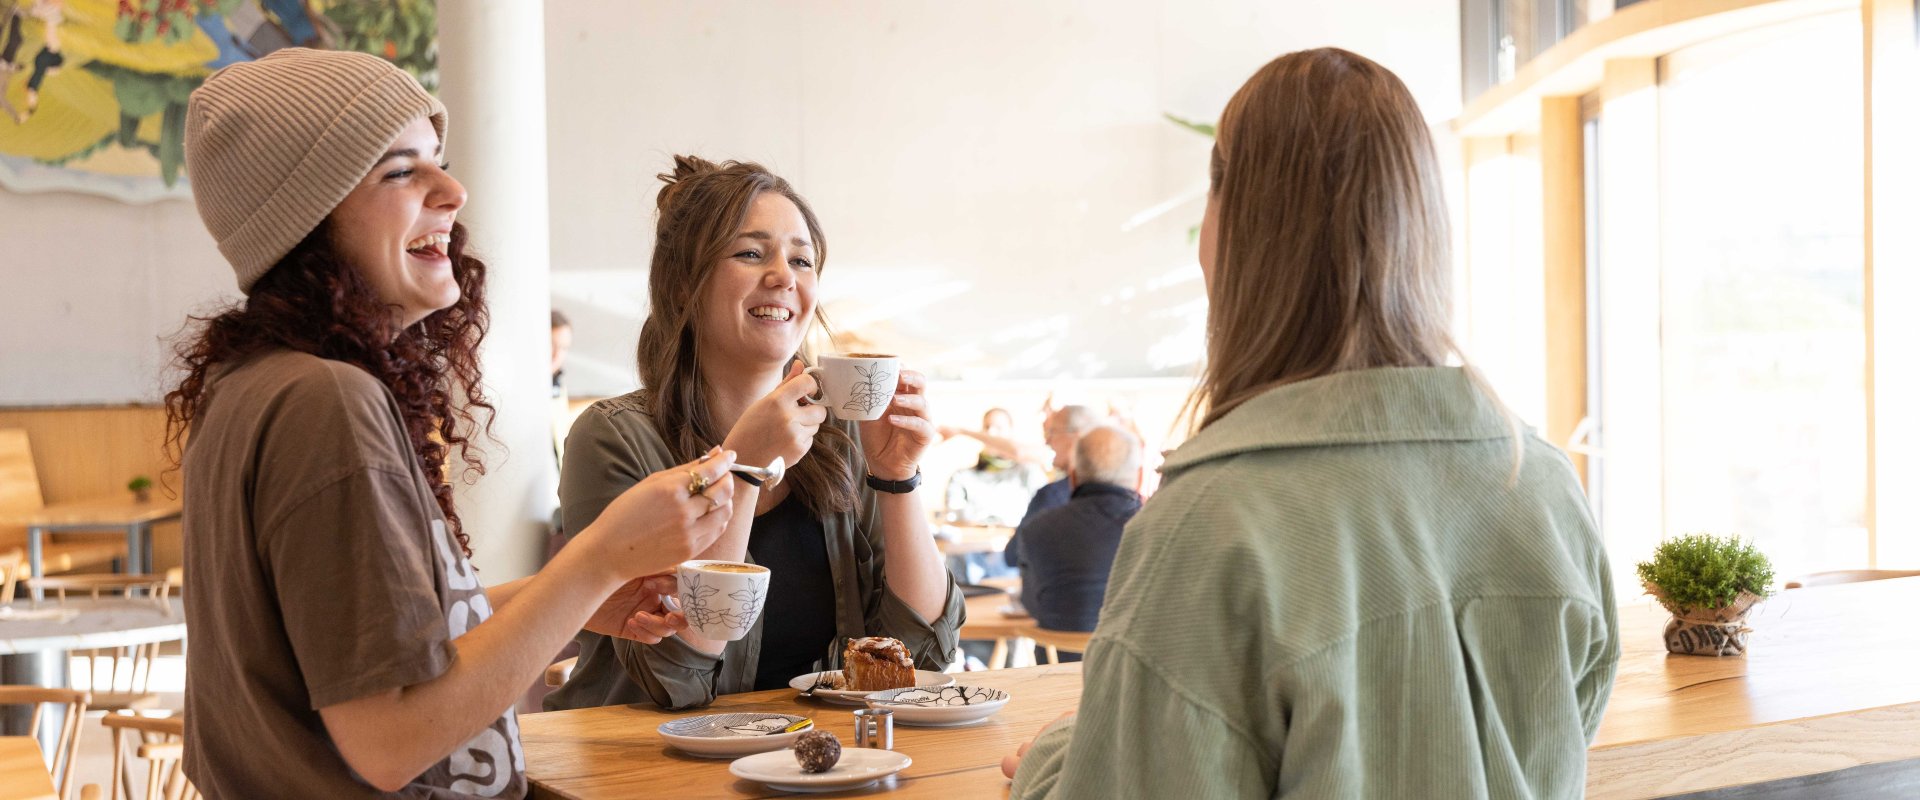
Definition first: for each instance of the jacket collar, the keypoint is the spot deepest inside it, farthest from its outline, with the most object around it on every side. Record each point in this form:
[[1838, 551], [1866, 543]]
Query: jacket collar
[[1097, 489], [1397, 404]]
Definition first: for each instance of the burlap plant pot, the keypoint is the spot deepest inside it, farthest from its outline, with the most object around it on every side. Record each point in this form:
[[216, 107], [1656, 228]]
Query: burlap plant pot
[[1708, 631]]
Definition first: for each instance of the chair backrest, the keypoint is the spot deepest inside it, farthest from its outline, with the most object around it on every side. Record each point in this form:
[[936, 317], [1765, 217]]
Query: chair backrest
[[13, 564], [157, 740], [66, 748], [19, 485], [19, 481], [1847, 576], [560, 671]]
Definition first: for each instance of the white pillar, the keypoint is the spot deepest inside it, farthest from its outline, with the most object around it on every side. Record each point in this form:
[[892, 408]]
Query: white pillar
[[493, 79]]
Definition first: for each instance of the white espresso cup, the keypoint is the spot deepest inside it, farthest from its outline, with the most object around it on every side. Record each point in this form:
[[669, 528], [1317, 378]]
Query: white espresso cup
[[722, 598], [856, 386]]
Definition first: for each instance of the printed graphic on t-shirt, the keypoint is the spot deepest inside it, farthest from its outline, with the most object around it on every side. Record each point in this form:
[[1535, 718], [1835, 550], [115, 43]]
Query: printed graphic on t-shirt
[[488, 763]]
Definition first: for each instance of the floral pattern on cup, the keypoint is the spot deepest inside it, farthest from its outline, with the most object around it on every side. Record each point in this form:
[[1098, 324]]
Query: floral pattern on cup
[[873, 390], [721, 605]]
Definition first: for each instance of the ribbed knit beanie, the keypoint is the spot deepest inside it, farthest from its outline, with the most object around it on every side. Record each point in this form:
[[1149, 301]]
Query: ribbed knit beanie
[[274, 145]]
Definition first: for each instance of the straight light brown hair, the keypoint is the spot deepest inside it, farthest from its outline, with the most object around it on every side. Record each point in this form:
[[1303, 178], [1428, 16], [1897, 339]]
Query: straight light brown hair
[[701, 210], [1333, 248]]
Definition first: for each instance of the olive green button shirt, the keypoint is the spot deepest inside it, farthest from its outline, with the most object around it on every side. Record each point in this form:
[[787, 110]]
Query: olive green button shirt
[[611, 447], [1339, 592]]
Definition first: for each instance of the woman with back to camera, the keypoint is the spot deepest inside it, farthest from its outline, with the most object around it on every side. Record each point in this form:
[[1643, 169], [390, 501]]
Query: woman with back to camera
[[1360, 577], [736, 264], [343, 644]]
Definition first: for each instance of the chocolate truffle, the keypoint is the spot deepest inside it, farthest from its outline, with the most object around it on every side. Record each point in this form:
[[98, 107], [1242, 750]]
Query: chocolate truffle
[[817, 751]]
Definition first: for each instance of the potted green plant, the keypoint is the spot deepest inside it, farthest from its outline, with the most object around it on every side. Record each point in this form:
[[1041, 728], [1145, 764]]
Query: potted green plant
[[142, 488], [1709, 584]]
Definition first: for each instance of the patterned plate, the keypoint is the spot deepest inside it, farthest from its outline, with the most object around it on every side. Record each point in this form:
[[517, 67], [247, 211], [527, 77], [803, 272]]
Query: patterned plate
[[831, 687], [730, 735], [942, 706]]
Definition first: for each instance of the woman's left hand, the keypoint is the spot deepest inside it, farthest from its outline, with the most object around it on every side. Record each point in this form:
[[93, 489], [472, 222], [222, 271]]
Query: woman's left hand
[[634, 611], [895, 442], [1010, 765]]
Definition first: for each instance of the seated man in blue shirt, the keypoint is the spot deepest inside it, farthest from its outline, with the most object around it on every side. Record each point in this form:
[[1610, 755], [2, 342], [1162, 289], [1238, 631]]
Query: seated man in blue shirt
[[1066, 552], [1064, 427]]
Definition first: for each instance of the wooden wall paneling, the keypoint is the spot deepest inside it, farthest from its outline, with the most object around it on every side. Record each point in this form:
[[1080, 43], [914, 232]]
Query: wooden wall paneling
[[1564, 256], [83, 453]]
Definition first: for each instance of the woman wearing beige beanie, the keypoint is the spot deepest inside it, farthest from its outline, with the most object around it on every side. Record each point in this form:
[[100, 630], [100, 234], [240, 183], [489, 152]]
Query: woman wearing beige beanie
[[343, 644]]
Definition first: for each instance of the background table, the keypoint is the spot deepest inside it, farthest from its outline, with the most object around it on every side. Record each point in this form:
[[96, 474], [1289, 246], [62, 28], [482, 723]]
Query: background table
[[956, 540], [23, 772], [1829, 683], [132, 519]]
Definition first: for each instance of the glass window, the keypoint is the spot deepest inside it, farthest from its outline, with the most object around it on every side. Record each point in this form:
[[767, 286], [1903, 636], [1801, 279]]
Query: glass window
[[1762, 374]]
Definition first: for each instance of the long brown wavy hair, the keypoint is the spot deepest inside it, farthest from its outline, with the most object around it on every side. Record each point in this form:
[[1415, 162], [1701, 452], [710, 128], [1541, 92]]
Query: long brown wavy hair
[[1333, 250], [313, 302], [701, 209]]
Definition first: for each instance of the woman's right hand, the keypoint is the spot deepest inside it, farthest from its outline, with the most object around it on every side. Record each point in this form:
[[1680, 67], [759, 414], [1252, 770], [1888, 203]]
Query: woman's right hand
[[658, 523], [779, 424]]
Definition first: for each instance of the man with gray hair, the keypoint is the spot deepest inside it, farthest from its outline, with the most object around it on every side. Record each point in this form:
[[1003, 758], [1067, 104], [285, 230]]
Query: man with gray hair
[[1063, 428], [1067, 552]]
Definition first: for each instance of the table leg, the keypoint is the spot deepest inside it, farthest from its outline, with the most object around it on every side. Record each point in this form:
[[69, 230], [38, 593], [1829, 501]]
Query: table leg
[[999, 658], [34, 536], [39, 668], [132, 564]]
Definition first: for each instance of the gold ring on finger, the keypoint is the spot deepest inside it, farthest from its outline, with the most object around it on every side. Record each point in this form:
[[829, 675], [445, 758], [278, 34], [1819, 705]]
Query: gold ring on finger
[[699, 484]]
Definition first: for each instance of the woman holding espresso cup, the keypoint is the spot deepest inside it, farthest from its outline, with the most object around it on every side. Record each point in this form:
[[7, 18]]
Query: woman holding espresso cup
[[1360, 577], [736, 261]]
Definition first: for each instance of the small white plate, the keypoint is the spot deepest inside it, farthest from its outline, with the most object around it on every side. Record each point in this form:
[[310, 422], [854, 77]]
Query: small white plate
[[858, 767], [819, 682], [940, 707], [730, 735]]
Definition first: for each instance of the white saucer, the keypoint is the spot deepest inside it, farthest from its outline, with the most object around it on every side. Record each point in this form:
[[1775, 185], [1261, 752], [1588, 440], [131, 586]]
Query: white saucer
[[858, 767], [940, 706], [730, 735], [921, 678]]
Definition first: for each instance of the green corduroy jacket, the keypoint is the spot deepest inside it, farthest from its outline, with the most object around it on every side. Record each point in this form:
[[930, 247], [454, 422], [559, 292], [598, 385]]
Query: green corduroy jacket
[[1344, 590]]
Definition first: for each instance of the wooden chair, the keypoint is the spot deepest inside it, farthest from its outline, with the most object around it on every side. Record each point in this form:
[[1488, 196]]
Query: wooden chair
[[1058, 641], [158, 741], [20, 496], [13, 564], [1847, 576], [560, 671], [67, 747]]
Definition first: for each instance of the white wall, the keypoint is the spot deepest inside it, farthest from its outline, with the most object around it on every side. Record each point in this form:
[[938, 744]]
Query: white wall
[[88, 288], [974, 164]]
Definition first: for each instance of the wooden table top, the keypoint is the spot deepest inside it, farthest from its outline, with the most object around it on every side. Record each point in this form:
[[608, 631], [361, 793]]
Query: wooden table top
[[956, 539], [1829, 682], [105, 512], [23, 773], [985, 622]]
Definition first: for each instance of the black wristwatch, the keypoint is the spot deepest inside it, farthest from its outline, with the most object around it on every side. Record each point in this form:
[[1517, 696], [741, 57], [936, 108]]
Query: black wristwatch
[[894, 487]]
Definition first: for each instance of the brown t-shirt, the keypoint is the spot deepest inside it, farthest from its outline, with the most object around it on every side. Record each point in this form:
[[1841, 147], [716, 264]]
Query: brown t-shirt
[[319, 570]]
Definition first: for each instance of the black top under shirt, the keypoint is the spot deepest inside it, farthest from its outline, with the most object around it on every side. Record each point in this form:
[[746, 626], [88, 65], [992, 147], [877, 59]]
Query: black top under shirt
[[798, 624]]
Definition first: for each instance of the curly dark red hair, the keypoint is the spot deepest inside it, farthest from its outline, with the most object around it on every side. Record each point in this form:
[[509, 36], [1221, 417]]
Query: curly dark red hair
[[312, 301]]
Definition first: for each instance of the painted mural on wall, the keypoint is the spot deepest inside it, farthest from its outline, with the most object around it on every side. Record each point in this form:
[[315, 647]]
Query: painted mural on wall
[[93, 93]]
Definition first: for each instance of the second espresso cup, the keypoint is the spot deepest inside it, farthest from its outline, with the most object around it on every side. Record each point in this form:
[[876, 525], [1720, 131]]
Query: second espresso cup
[[722, 598], [856, 386]]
